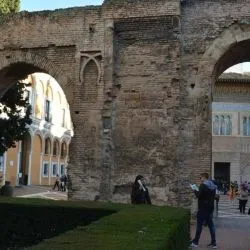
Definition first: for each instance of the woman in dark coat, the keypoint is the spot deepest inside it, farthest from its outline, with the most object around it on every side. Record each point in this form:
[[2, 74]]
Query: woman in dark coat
[[139, 194]]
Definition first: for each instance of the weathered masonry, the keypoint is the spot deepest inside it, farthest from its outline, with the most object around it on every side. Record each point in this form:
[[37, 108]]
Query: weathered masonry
[[139, 78]]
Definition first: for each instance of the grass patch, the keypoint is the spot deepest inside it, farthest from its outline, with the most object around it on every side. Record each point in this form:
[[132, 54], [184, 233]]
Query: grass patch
[[91, 225]]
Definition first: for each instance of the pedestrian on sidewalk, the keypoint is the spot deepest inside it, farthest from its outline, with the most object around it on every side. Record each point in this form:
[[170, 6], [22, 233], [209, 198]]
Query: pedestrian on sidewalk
[[232, 192], [206, 196], [63, 183], [57, 183], [248, 187], [217, 199], [243, 199]]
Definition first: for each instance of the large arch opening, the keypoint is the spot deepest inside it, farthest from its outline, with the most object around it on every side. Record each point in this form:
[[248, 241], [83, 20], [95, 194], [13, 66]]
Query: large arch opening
[[29, 163], [231, 123], [224, 98]]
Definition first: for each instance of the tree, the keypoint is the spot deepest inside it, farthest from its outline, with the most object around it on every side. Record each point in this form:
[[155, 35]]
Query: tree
[[8, 6], [15, 112]]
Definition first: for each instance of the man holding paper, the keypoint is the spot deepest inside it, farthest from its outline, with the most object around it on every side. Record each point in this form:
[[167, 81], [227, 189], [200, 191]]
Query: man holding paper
[[205, 195]]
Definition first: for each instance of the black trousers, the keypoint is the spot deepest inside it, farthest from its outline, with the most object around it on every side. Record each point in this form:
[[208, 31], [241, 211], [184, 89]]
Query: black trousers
[[56, 185], [243, 206]]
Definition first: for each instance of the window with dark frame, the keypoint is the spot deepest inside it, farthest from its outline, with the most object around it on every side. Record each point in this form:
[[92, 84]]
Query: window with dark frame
[[222, 124], [62, 170], [63, 150], [246, 125], [54, 169], [47, 111], [55, 148], [45, 169], [47, 146]]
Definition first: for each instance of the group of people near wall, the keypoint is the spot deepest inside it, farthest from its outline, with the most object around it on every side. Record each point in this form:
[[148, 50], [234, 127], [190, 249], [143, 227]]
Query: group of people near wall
[[61, 183], [226, 187]]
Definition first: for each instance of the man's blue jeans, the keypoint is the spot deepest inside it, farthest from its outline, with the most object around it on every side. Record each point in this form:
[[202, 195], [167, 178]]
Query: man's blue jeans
[[201, 218]]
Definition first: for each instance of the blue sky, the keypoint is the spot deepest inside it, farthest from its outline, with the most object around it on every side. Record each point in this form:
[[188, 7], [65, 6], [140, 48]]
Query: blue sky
[[36, 5]]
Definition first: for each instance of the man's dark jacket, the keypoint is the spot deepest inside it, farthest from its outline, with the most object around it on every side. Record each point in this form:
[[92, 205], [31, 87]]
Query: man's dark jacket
[[206, 195]]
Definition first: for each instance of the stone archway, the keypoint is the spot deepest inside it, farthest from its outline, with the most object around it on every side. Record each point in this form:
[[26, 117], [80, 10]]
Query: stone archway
[[219, 56], [227, 50], [16, 65]]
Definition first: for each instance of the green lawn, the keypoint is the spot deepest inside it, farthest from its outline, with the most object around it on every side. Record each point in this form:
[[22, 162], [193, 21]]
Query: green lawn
[[46, 224]]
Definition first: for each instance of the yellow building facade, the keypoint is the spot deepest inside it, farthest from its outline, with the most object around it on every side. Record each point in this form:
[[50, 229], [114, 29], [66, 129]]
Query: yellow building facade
[[44, 152]]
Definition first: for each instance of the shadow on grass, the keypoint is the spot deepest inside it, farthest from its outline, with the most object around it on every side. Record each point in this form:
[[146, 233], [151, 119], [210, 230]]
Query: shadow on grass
[[23, 225]]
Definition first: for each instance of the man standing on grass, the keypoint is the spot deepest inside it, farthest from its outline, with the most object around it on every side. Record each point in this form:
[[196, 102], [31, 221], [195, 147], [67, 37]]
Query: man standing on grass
[[205, 195]]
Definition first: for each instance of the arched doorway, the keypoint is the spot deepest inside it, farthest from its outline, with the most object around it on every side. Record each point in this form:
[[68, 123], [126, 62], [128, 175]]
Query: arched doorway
[[231, 126], [27, 167], [227, 50], [36, 160], [25, 161]]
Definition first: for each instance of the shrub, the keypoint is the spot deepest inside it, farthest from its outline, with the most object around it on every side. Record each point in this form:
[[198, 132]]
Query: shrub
[[125, 227], [26, 223]]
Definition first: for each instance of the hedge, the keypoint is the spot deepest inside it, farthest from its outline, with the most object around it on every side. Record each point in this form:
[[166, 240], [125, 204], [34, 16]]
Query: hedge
[[44, 224]]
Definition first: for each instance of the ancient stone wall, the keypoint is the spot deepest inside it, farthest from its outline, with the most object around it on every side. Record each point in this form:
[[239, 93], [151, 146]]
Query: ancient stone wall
[[145, 131], [67, 44], [209, 29], [138, 76]]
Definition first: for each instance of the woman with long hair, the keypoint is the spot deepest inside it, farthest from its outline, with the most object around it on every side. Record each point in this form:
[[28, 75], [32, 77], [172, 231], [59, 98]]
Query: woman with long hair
[[139, 194]]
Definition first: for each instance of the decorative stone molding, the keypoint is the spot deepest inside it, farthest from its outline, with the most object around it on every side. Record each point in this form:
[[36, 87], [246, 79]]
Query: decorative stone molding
[[86, 58]]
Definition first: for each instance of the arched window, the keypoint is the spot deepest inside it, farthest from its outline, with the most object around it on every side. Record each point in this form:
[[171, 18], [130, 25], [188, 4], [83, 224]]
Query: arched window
[[63, 150], [222, 124], [89, 88], [55, 148], [216, 125], [47, 110], [48, 104], [228, 125], [47, 146], [244, 126]]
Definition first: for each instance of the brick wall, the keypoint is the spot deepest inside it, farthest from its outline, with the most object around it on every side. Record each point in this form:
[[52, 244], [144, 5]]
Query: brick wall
[[210, 32], [147, 109]]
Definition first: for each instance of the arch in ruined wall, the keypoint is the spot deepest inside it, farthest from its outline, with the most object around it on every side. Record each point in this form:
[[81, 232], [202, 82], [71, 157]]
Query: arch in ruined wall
[[225, 51], [16, 65]]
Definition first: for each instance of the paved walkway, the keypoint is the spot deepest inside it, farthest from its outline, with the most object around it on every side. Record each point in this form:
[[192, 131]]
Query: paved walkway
[[43, 192], [231, 233]]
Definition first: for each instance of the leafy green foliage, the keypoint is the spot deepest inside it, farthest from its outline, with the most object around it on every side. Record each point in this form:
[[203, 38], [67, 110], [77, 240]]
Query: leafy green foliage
[[13, 125], [15, 112], [8, 6]]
